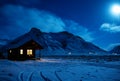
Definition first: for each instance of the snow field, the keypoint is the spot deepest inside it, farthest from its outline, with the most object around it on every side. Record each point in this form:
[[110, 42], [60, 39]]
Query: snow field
[[57, 70]]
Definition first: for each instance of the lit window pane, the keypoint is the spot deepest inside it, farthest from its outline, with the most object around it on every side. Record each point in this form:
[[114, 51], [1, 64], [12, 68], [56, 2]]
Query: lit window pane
[[29, 52], [21, 51]]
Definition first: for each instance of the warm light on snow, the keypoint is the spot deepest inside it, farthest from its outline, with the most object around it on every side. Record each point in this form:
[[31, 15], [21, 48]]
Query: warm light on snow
[[50, 60], [115, 9]]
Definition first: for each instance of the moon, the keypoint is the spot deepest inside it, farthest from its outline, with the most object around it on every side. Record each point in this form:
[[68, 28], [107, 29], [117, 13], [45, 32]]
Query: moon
[[115, 9]]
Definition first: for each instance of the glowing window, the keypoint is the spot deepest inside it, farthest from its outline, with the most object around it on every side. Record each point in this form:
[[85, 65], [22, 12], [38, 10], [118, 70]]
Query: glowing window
[[10, 51], [21, 51], [29, 52]]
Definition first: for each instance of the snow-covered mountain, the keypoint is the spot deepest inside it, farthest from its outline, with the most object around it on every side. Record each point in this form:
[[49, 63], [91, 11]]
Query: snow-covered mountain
[[62, 43], [116, 49], [74, 43]]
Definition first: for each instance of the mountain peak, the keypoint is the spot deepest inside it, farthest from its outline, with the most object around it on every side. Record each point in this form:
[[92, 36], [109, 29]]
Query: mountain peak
[[35, 30]]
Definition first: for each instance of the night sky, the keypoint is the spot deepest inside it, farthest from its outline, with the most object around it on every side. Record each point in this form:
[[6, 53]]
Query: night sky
[[89, 19]]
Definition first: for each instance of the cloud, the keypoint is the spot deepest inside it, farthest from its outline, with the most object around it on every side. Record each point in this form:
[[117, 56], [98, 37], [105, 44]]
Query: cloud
[[25, 17], [110, 28], [78, 30], [19, 20]]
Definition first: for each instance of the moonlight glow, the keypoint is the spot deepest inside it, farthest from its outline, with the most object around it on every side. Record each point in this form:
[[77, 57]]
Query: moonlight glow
[[115, 10]]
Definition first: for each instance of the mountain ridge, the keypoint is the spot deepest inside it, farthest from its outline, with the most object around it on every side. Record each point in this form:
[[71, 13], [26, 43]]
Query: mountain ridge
[[61, 43]]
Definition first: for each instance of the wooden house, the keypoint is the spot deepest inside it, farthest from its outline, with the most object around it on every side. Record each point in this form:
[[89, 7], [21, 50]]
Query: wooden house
[[28, 50], [27, 46]]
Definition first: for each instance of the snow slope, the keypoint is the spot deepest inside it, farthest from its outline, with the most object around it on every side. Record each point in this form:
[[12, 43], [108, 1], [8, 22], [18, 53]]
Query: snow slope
[[58, 70], [116, 50]]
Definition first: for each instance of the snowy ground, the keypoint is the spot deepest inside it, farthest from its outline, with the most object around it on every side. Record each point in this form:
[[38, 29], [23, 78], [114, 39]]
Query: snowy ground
[[59, 70]]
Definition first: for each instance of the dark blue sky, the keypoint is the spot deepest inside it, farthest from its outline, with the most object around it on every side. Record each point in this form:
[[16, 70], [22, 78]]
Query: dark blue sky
[[90, 19]]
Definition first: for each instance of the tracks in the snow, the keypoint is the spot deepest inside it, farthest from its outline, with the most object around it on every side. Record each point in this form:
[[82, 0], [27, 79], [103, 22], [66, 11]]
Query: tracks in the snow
[[44, 77], [56, 74], [20, 76], [27, 76]]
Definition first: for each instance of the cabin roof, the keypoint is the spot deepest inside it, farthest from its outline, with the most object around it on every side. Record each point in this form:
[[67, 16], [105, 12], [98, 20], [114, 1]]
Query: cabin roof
[[24, 39]]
